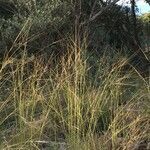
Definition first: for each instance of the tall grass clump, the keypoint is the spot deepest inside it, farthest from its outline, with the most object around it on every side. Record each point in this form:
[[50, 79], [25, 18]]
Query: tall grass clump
[[79, 101]]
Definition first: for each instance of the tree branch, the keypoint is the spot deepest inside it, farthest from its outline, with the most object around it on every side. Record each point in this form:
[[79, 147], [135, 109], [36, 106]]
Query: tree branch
[[92, 18]]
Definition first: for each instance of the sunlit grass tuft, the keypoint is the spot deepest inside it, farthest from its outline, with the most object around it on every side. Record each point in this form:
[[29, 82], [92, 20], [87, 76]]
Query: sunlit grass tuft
[[71, 104]]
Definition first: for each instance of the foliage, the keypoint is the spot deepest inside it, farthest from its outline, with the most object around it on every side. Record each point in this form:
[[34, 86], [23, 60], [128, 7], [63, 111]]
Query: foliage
[[53, 22], [148, 1], [43, 22], [66, 77], [145, 19]]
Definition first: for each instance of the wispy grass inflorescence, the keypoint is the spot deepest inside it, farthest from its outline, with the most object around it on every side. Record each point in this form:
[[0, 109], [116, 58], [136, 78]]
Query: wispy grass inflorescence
[[71, 103]]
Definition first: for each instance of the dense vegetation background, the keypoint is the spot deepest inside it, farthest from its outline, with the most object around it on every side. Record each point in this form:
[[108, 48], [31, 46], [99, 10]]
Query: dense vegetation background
[[74, 74]]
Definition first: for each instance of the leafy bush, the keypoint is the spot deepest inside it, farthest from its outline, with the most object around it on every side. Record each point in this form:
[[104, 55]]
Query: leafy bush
[[47, 19]]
